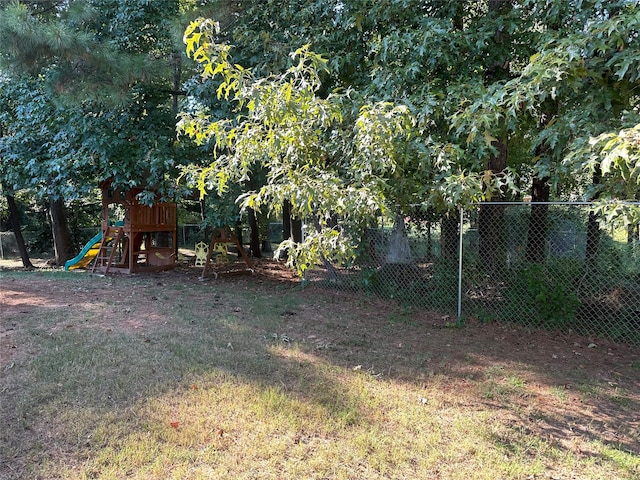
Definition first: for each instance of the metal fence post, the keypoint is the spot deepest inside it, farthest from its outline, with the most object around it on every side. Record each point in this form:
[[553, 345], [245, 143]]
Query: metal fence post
[[460, 266]]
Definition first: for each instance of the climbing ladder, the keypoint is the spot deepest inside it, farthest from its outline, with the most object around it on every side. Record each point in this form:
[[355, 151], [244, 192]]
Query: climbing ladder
[[111, 237]]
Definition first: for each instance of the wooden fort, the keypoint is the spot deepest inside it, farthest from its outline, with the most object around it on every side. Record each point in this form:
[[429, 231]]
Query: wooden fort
[[145, 240]]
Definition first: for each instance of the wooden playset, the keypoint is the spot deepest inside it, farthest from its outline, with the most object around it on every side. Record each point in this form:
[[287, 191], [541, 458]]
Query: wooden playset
[[144, 241], [221, 238]]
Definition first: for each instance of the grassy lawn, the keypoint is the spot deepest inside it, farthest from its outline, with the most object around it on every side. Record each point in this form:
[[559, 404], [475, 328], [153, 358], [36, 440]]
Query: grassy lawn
[[167, 377]]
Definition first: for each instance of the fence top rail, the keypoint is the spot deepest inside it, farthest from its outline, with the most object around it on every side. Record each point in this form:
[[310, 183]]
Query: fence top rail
[[557, 203], [625, 202]]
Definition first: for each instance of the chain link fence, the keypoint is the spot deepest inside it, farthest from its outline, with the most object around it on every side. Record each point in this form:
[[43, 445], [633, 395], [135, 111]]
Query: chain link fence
[[554, 266]]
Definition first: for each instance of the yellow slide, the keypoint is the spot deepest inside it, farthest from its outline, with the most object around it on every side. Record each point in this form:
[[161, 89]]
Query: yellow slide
[[88, 253]]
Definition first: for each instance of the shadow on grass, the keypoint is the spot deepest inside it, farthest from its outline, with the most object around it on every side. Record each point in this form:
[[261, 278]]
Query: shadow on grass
[[101, 347], [112, 347]]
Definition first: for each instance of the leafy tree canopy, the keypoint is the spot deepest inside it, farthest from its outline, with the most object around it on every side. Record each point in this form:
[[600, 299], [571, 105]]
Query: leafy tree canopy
[[323, 154], [90, 90], [408, 100]]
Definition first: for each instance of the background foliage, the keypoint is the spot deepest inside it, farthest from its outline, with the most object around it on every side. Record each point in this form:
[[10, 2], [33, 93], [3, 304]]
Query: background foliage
[[341, 109]]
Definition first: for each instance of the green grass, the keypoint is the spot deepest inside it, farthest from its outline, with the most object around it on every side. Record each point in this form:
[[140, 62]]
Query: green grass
[[141, 378], [560, 393], [500, 385]]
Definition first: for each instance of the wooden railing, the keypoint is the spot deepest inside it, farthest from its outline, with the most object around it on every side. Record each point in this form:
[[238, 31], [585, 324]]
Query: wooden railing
[[161, 216]]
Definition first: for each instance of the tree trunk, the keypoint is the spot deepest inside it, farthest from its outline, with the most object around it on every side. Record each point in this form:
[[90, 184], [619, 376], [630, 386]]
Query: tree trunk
[[286, 220], [491, 218], [593, 228], [540, 191], [238, 232], [17, 231], [177, 82], [457, 15], [14, 216], [296, 230], [593, 239], [254, 242], [491, 236], [449, 234], [286, 225], [292, 227], [61, 236], [538, 228]]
